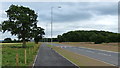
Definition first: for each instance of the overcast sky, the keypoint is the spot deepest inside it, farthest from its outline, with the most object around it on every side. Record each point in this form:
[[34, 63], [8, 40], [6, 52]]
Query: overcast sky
[[71, 16]]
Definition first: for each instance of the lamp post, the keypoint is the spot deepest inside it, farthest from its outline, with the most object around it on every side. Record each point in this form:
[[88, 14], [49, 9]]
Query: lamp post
[[46, 34], [52, 22]]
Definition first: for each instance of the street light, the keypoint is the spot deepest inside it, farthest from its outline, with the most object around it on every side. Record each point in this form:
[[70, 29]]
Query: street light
[[46, 34], [52, 22]]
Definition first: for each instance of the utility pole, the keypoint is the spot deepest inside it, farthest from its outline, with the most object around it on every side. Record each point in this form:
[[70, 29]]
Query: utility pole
[[52, 22]]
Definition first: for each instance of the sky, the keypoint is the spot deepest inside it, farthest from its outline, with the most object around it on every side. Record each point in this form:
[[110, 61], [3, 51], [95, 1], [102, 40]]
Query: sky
[[71, 16]]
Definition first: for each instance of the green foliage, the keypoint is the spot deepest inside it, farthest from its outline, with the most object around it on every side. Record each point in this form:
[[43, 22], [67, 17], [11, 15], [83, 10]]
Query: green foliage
[[7, 40], [59, 38], [21, 22], [49, 40], [38, 32], [88, 36]]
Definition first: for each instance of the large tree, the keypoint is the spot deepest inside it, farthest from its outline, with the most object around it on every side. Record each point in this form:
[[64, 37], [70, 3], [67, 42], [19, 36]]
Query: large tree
[[38, 33], [21, 22]]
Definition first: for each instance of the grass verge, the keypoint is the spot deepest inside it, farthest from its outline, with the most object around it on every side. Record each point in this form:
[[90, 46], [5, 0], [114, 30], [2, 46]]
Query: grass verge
[[49, 45], [9, 51]]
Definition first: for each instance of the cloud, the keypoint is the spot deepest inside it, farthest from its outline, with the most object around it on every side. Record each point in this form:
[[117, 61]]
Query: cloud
[[3, 15], [79, 11], [71, 11], [107, 23], [72, 16], [69, 17], [6, 35], [59, 1]]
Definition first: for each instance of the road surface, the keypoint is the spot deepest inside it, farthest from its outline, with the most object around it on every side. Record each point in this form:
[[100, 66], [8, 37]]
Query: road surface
[[48, 58], [104, 56]]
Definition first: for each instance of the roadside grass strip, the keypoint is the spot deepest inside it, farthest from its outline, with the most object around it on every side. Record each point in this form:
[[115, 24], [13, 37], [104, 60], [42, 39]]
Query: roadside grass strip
[[49, 45], [10, 51], [9, 43], [79, 60], [0, 56]]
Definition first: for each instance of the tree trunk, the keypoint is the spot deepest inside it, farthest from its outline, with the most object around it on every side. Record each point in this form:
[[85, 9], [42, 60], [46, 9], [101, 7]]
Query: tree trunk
[[23, 38], [24, 43], [36, 42]]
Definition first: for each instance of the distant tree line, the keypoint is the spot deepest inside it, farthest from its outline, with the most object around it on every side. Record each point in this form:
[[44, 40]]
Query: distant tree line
[[49, 40], [80, 36], [9, 40], [89, 36]]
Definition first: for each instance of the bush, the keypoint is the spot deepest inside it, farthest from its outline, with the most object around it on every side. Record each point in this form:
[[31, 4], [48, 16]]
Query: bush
[[7, 40]]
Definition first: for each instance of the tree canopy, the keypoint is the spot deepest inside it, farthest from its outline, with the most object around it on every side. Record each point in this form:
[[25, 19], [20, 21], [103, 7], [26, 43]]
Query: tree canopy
[[89, 36], [38, 32], [21, 22]]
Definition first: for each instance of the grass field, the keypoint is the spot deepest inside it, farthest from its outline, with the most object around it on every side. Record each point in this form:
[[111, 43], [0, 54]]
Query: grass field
[[104, 46], [0, 56], [9, 51]]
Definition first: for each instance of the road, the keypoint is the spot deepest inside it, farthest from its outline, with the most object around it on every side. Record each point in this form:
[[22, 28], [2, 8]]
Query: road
[[104, 56], [48, 58]]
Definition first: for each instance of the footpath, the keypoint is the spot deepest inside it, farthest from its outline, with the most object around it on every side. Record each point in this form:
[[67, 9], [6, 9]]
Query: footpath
[[48, 58]]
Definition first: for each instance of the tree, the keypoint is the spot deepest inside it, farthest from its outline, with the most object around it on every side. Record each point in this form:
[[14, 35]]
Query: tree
[[38, 33], [97, 38], [89, 36], [0, 27], [14, 41], [7, 40], [21, 22], [59, 37]]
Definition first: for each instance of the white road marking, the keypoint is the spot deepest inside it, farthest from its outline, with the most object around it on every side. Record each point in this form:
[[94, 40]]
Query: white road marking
[[99, 49], [36, 57], [96, 59], [90, 51], [65, 46], [104, 54], [75, 48]]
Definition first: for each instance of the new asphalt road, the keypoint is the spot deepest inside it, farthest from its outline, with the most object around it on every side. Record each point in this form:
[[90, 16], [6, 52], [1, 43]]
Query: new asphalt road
[[48, 58], [105, 56]]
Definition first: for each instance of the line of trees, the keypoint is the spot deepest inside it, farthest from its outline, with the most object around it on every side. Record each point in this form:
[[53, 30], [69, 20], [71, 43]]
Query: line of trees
[[49, 40], [9, 40], [89, 36], [22, 22]]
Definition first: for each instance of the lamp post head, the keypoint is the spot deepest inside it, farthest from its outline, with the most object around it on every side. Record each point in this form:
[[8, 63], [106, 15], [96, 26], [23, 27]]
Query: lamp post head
[[59, 6]]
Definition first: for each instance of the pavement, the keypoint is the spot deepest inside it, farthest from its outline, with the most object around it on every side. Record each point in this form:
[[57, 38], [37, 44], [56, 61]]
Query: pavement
[[108, 57], [48, 58]]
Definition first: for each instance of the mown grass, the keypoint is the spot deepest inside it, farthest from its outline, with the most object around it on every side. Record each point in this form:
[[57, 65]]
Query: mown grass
[[9, 52], [0, 56], [49, 45]]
